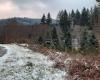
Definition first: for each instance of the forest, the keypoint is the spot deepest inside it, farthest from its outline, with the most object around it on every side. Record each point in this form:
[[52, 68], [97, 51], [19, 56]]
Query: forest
[[64, 48]]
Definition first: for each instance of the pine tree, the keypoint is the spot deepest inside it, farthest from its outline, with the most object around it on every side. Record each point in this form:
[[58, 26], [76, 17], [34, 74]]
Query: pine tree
[[98, 0], [88, 42], [91, 16], [77, 17], [49, 19], [60, 17], [63, 21], [40, 40], [65, 26], [55, 38], [85, 17], [68, 41], [98, 3], [54, 33], [43, 20], [96, 15], [73, 16]]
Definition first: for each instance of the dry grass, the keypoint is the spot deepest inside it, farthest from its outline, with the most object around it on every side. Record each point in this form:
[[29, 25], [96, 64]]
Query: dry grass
[[85, 70], [78, 67]]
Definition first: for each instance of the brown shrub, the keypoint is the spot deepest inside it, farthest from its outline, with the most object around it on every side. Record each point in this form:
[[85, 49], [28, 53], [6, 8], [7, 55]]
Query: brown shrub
[[83, 71], [59, 65]]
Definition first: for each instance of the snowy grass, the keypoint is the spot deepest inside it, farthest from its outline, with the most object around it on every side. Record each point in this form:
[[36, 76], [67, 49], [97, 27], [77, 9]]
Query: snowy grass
[[20, 63]]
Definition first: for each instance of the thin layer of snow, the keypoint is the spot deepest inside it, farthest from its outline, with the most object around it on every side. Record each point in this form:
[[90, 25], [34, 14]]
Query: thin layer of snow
[[59, 53], [68, 61], [24, 45], [20, 63]]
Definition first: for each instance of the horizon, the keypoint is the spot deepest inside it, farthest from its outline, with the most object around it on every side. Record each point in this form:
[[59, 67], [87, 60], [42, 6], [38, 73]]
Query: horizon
[[36, 8]]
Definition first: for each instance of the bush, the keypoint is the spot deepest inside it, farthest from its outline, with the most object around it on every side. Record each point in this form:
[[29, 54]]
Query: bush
[[89, 43]]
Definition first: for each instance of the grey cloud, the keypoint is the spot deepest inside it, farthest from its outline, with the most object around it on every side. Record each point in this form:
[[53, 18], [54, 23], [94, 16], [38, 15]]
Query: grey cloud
[[35, 8], [56, 3], [29, 4]]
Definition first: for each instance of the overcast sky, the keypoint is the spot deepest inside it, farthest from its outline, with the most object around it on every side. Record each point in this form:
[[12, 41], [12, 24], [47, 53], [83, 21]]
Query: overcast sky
[[36, 8]]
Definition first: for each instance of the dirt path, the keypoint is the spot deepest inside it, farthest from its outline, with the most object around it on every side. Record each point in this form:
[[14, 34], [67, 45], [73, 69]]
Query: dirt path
[[20, 63]]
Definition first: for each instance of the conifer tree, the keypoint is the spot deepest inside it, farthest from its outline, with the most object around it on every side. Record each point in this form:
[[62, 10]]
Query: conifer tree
[[49, 19], [73, 16], [98, 0], [77, 17], [54, 33], [68, 40], [55, 38], [98, 3], [65, 26], [91, 17], [63, 21], [96, 15], [40, 40], [88, 42], [43, 20], [85, 17]]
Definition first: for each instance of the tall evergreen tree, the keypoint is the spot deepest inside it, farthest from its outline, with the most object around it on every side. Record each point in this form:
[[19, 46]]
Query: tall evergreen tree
[[98, 3], [96, 15], [77, 17], [59, 15], [91, 16], [85, 17], [49, 19], [98, 0], [64, 22], [88, 42], [43, 20], [65, 26], [54, 33], [68, 40], [60, 19], [73, 16], [55, 38], [40, 40]]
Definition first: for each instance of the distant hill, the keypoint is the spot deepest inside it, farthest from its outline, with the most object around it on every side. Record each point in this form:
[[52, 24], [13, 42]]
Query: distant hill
[[22, 21]]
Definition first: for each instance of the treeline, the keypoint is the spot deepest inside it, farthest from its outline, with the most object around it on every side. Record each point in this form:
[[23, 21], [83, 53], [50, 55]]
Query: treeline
[[86, 19]]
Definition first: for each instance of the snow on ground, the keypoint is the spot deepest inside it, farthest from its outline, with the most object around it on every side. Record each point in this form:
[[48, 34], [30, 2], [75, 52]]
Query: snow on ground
[[20, 63], [2, 51]]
